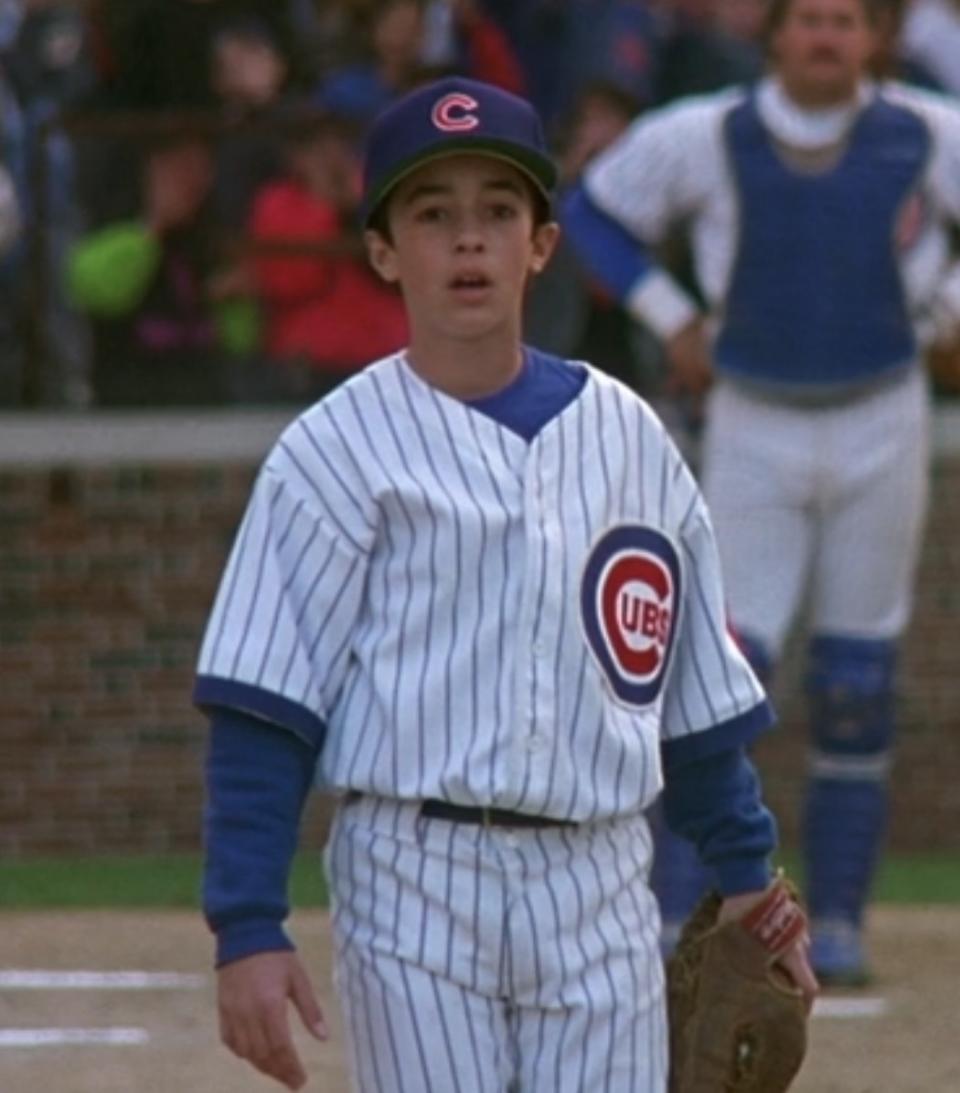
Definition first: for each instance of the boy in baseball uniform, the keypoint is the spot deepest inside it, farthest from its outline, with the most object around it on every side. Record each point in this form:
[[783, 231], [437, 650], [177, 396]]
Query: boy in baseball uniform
[[476, 596]]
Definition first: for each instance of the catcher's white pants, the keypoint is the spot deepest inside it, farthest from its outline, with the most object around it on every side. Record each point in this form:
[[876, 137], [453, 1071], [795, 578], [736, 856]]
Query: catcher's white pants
[[493, 960], [830, 499]]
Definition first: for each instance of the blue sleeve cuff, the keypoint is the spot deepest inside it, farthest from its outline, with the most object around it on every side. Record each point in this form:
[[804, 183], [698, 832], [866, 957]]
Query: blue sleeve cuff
[[716, 803], [215, 691], [739, 731], [249, 937], [737, 875]]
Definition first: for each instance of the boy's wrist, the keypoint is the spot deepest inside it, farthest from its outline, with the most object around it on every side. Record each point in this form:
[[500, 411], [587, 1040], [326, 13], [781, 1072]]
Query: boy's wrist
[[741, 875], [241, 939]]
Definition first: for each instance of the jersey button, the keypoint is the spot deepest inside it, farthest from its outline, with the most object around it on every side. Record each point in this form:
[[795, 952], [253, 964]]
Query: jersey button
[[534, 742]]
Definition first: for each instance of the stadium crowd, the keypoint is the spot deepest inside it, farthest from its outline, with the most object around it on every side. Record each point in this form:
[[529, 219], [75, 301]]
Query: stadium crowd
[[179, 178]]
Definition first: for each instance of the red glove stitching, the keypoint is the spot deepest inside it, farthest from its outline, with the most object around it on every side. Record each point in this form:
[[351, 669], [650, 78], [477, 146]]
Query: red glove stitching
[[776, 922]]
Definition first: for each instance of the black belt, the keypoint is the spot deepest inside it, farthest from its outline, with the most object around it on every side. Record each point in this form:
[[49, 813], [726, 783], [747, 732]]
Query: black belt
[[473, 814], [487, 817]]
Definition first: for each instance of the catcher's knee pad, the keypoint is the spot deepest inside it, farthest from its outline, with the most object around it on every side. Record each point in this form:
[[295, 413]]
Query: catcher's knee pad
[[850, 686], [852, 708], [757, 653]]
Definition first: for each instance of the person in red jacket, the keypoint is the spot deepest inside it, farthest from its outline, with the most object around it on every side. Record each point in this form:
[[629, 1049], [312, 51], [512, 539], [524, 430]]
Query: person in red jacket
[[325, 312]]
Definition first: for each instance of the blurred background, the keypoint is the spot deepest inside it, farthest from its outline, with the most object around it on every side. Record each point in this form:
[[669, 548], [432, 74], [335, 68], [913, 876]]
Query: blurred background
[[180, 272]]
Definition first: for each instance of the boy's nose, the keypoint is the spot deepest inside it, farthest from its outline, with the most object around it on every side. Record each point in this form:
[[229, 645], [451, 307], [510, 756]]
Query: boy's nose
[[469, 236]]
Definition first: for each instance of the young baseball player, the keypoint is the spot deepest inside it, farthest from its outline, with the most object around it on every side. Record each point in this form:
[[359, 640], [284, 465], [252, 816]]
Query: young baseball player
[[476, 595], [819, 206]]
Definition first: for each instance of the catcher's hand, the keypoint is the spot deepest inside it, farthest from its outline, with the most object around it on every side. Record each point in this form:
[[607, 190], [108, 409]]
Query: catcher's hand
[[943, 363], [738, 1020]]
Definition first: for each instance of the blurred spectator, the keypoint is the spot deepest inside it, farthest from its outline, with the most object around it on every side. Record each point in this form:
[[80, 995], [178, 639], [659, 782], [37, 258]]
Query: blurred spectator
[[711, 44], [931, 39], [405, 41], [565, 45], [11, 351], [611, 338], [166, 313], [158, 54], [390, 35], [890, 61], [48, 61], [604, 110], [49, 66], [13, 155], [568, 311], [11, 221], [326, 313], [251, 79], [742, 21], [11, 12], [459, 36]]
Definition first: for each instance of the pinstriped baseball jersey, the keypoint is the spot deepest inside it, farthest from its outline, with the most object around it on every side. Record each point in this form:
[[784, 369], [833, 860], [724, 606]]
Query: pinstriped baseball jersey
[[473, 617]]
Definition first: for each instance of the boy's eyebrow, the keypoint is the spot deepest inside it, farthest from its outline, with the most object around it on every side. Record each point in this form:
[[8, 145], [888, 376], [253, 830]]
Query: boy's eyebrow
[[440, 189]]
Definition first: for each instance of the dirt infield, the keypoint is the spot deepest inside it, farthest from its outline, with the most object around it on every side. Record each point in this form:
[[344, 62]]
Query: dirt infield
[[909, 1047]]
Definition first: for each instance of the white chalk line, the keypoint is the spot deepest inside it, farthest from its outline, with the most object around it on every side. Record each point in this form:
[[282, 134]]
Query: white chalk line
[[53, 1037], [43, 980], [845, 1007]]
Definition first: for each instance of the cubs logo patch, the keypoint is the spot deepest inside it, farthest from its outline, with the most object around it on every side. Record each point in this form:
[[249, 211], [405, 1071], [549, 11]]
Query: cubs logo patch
[[453, 113], [630, 596]]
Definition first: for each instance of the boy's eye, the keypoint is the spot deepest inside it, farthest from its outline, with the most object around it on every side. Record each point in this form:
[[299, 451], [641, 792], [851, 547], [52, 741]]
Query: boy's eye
[[503, 211], [430, 214]]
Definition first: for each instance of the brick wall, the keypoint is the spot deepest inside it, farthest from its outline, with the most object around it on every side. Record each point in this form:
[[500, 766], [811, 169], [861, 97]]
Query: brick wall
[[113, 532]]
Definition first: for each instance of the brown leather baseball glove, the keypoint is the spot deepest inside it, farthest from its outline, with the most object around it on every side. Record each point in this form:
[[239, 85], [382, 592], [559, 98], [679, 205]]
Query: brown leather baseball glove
[[737, 1023]]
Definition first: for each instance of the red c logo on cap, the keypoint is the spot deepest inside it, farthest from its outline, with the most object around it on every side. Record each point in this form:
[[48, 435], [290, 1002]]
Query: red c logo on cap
[[451, 114]]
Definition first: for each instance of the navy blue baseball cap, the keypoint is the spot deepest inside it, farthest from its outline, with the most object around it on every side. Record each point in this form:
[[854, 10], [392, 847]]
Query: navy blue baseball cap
[[451, 115]]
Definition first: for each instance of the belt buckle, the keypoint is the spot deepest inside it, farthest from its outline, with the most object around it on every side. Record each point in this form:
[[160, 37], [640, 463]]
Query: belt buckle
[[486, 818]]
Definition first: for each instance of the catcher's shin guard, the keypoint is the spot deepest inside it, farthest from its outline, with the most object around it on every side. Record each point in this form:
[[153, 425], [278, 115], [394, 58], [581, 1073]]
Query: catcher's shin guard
[[852, 708], [678, 879]]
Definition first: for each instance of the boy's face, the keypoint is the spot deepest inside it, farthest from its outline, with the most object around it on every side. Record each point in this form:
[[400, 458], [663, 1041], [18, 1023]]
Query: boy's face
[[463, 244]]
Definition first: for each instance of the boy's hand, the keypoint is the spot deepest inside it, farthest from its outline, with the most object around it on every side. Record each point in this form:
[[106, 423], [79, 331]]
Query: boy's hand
[[252, 998], [739, 992], [795, 960]]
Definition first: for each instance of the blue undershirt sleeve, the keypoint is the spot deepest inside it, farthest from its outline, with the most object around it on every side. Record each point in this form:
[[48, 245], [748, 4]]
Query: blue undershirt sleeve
[[258, 777], [715, 802], [616, 258]]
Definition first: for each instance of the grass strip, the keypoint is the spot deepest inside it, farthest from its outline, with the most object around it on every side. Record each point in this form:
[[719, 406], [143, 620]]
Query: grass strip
[[174, 880]]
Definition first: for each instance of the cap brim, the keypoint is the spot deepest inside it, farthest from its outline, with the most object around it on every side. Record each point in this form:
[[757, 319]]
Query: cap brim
[[537, 168]]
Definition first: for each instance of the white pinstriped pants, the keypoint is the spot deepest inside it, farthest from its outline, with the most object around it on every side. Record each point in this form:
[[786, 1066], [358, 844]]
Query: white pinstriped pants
[[495, 960]]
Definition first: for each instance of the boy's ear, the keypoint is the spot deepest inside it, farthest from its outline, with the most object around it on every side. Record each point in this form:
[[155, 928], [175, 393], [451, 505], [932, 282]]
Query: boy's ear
[[545, 238], [382, 256]]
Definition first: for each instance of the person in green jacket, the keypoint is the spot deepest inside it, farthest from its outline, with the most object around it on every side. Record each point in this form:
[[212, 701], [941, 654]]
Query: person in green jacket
[[167, 312]]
